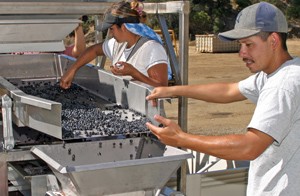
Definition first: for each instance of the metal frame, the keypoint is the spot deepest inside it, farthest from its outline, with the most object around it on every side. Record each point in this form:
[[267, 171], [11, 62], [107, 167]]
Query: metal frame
[[222, 182], [72, 9], [76, 8]]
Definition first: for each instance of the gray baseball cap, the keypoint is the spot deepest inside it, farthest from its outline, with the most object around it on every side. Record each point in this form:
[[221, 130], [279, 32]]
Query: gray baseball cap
[[110, 19], [254, 19]]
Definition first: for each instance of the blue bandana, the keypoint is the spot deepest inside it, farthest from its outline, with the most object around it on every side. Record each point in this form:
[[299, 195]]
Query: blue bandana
[[143, 30]]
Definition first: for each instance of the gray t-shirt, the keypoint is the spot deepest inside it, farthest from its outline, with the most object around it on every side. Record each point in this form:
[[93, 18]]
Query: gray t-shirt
[[277, 97]]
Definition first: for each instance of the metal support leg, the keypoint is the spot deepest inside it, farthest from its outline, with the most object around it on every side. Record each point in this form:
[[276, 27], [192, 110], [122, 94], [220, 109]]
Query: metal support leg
[[3, 174], [170, 49], [8, 137], [7, 142]]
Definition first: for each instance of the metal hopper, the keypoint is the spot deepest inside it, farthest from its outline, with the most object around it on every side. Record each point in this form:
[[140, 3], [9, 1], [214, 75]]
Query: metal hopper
[[111, 166], [98, 165]]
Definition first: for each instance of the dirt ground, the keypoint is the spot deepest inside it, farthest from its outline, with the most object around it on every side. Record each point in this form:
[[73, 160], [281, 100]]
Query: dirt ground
[[217, 119]]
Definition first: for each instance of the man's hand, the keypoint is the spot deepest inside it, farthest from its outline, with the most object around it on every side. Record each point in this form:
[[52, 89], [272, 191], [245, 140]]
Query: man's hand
[[170, 134], [158, 92]]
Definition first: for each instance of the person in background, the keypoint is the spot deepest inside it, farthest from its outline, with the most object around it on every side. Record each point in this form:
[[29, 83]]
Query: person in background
[[272, 139], [77, 45], [135, 50]]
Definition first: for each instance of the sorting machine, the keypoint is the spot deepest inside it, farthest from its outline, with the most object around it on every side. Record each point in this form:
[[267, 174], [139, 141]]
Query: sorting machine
[[46, 148]]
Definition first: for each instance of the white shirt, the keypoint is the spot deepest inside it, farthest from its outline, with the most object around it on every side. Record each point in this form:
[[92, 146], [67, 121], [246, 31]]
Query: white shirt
[[276, 171], [148, 55]]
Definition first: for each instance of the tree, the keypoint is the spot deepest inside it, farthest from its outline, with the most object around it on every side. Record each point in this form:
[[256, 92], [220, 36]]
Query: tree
[[211, 16], [293, 9], [214, 16]]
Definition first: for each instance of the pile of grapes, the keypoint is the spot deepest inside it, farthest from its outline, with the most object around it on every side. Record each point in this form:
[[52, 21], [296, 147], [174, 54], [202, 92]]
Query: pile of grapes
[[83, 116]]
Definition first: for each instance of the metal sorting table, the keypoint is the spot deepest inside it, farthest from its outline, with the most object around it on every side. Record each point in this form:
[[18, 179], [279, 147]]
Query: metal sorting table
[[36, 156], [125, 162]]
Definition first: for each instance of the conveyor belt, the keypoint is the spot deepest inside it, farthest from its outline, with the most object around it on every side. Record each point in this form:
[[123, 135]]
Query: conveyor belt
[[85, 114]]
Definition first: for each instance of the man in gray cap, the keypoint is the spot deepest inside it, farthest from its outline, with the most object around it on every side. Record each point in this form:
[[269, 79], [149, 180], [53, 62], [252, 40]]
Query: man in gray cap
[[272, 140]]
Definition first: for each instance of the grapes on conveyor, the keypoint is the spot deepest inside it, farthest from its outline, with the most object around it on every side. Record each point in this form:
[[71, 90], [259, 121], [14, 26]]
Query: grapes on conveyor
[[85, 114]]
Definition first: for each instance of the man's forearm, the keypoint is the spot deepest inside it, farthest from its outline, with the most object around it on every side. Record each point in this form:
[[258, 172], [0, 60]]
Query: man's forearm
[[217, 93]]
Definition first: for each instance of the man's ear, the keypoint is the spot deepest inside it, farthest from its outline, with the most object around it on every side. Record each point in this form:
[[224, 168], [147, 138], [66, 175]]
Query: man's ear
[[274, 39]]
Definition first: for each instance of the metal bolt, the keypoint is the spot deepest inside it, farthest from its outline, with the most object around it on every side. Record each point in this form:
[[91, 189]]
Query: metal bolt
[[64, 144]]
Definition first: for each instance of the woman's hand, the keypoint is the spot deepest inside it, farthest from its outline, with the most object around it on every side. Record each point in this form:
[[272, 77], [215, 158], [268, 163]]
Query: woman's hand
[[66, 79], [157, 74], [123, 69]]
